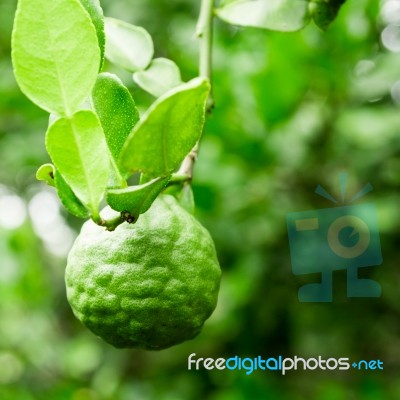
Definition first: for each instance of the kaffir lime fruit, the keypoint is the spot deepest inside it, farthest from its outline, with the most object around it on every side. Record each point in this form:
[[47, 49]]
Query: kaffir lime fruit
[[150, 285]]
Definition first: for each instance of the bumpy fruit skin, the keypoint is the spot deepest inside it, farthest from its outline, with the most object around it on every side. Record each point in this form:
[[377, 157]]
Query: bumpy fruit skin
[[150, 285]]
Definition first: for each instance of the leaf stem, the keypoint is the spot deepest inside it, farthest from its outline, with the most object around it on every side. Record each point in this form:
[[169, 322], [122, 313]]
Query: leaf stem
[[179, 178]]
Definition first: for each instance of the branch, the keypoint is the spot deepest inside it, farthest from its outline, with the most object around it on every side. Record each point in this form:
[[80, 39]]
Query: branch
[[204, 32]]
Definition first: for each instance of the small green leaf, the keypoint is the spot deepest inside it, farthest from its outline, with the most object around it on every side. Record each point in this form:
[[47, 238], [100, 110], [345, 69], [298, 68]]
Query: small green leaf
[[95, 11], [167, 131], [183, 192], [136, 200], [86, 105], [116, 110], [278, 15], [55, 52], [116, 180], [161, 76], [46, 173], [186, 198], [68, 198], [79, 151], [128, 46], [325, 12]]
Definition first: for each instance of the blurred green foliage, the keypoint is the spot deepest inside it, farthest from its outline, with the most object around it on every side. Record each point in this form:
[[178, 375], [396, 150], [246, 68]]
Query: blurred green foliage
[[292, 111]]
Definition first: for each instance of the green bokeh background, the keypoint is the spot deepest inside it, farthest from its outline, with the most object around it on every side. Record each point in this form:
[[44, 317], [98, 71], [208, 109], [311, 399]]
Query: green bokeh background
[[292, 111]]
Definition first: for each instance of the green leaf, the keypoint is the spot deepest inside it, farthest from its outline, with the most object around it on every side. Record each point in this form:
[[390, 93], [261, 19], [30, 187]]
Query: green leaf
[[95, 11], [136, 200], [278, 15], [86, 105], [186, 198], [79, 151], [183, 192], [55, 52], [161, 76], [167, 131], [116, 110], [46, 173], [116, 180], [325, 12], [128, 46], [68, 198]]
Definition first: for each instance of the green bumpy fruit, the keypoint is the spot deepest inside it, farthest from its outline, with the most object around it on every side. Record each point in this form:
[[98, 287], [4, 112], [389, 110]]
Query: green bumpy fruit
[[150, 285]]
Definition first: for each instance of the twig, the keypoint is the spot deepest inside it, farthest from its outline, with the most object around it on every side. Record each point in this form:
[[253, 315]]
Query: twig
[[204, 32]]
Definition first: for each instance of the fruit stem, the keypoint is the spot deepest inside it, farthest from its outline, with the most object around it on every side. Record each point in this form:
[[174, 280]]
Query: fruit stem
[[204, 32], [111, 224]]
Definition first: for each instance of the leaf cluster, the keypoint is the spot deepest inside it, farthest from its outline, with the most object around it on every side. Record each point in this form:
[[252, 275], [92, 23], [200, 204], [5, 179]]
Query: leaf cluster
[[96, 138]]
